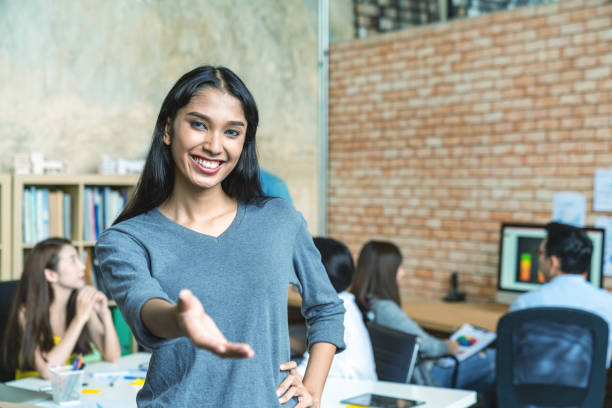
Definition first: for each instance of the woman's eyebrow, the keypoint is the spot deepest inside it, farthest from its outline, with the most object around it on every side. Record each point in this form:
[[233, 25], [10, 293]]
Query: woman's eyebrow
[[204, 117]]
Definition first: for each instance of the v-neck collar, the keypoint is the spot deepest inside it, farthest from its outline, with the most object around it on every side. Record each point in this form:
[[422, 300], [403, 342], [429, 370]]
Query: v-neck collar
[[181, 228]]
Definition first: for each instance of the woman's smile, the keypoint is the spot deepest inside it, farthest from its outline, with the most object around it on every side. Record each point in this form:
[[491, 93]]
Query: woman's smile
[[208, 166]]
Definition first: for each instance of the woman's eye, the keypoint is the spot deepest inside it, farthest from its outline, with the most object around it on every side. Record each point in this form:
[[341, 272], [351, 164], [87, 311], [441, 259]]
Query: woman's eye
[[198, 125], [232, 132]]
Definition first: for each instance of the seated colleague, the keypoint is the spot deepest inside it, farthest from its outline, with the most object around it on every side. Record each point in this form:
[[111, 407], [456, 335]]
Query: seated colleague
[[357, 360], [54, 314], [273, 186], [564, 256], [375, 286]]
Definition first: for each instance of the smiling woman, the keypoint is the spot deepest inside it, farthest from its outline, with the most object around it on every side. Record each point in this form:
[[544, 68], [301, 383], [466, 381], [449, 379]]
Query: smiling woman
[[198, 235]]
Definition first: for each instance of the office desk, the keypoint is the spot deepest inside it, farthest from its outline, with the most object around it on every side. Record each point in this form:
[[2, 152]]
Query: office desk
[[337, 390], [122, 394], [448, 317], [441, 316], [99, 376]]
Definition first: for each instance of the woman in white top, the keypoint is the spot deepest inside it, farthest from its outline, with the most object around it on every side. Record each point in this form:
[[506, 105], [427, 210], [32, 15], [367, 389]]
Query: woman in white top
[[357, 360]]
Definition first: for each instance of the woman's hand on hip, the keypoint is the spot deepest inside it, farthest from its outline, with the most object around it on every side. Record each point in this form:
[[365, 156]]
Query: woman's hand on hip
[[202, 330], [292, 387]]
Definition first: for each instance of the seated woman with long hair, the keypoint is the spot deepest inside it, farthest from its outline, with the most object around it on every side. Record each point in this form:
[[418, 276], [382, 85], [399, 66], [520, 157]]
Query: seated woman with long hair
[[376, 289], [55, 316]]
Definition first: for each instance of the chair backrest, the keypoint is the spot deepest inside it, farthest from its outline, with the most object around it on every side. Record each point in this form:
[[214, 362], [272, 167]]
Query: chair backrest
[[395, 352], [7, 294], [551, 356]]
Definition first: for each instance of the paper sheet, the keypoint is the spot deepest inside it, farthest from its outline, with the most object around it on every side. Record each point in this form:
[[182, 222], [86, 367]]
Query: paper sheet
[[471, 340], [569, 208], [606, 223], [602, 190]]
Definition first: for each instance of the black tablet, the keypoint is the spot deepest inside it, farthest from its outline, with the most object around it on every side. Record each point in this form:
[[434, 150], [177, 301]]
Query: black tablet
[[380, 401]]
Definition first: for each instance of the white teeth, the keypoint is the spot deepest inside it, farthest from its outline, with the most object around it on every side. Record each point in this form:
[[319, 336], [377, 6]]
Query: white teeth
[[207, 164]]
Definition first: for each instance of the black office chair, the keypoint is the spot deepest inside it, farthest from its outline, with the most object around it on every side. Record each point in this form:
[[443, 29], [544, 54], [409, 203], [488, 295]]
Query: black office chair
[[553, 357], [395, 352], [7, 294]]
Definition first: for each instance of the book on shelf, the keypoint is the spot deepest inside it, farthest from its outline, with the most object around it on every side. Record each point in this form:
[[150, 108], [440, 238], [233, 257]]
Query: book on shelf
[[101, 205], [56, 213], [46, 213], [67, 219]]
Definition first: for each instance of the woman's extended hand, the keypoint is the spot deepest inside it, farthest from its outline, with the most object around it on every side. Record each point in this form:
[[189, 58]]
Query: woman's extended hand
[[202, 330], [292, 386]]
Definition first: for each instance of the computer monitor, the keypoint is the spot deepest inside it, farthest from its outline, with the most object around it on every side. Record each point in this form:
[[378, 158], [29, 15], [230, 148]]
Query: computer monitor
[[518, 270]]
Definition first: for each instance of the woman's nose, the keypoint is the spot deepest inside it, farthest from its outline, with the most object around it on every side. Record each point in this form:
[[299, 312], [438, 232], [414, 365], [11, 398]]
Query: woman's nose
[[213, 142]]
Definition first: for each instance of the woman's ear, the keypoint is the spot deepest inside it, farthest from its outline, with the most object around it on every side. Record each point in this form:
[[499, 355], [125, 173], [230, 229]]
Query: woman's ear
[[51, 275], [167, 133]]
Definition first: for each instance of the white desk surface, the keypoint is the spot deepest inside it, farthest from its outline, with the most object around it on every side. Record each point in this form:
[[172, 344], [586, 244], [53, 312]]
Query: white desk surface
[[122, 394], [337, 390]]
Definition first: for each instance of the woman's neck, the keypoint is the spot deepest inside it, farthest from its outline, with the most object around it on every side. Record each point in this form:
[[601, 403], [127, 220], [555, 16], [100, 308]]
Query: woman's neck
[[188, 204]]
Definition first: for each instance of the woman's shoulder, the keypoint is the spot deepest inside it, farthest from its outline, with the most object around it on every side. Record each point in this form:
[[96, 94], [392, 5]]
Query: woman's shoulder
[[384, 306], [281, 209], [143, 224]]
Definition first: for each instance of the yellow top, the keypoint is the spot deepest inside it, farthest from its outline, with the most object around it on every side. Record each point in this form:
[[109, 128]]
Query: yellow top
[[92, 357]]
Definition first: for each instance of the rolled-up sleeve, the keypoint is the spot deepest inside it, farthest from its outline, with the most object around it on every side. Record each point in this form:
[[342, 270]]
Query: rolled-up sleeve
[[125, 268], [321, 306]]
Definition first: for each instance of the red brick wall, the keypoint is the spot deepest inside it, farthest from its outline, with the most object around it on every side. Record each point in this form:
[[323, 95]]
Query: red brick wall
[[439, 134]]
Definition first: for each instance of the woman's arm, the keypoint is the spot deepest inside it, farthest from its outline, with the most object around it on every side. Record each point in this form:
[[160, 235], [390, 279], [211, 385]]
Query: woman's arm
[[321, 356], [102, 330], [187, 318], [62, 351], [389, 314]]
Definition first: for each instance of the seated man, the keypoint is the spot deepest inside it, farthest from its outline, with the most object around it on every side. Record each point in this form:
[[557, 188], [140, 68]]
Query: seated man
[[564, 256]]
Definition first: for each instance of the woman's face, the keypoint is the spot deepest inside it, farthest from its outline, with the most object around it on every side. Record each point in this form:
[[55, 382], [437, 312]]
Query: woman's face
[[207, 137], [70, 269], [400, 274]]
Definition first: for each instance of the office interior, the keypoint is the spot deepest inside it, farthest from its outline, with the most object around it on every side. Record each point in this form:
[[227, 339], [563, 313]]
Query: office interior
[[438, 130]]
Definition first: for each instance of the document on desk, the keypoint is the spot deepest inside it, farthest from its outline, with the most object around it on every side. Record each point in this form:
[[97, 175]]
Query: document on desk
[[471, 340]]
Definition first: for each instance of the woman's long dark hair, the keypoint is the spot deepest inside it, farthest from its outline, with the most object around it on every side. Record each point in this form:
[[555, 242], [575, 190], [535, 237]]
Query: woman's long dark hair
[[376, 274], [32, 300], [157, 179]]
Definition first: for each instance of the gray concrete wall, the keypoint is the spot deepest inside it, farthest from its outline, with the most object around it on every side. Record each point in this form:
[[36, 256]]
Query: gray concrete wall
[[84, 78]]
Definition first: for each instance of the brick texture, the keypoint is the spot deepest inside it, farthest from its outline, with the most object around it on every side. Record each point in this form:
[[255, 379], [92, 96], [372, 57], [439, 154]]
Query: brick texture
[[439, 134]]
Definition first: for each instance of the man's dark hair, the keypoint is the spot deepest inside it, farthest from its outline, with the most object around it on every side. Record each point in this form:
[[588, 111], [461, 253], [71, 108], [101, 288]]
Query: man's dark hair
[[571, 245]]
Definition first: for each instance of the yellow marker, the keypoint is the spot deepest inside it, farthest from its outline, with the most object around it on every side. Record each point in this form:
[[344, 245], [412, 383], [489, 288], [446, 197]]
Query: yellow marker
[[139, 381], [91, 391]]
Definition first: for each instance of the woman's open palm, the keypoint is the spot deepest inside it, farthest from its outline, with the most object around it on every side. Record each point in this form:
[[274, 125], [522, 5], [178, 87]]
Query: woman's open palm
[[203, 331]]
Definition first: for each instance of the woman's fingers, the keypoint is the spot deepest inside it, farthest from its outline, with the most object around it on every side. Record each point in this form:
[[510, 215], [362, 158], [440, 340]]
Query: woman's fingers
[[291, 392], [292, 386], [285, 385], [289, 365], [234, 350]]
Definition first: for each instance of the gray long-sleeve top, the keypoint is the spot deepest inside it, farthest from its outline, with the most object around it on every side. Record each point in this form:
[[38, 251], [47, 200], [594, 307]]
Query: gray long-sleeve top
[[241, 278]]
